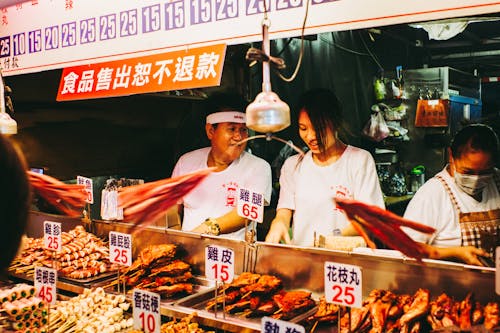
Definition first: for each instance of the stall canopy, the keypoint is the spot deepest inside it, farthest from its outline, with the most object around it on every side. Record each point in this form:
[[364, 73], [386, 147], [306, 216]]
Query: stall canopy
[[40, 35]]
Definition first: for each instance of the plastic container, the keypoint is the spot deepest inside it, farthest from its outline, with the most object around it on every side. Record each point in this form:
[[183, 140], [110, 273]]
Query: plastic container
[[417, 178]]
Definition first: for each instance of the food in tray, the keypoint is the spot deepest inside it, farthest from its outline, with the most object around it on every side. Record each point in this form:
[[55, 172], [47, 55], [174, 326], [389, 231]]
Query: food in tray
[[158, 270], [83, 255], [384, 311], [20, 310], [255, 295], [185, 325], [92, 311]]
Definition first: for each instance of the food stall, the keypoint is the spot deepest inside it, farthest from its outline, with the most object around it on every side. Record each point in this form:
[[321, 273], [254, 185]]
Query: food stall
[[166, 32]]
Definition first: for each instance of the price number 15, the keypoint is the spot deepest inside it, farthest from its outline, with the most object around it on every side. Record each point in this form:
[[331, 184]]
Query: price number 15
[[221, 272]]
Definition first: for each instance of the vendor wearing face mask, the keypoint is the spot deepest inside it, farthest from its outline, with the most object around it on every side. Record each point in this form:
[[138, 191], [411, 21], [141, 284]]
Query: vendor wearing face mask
[[462, 201]]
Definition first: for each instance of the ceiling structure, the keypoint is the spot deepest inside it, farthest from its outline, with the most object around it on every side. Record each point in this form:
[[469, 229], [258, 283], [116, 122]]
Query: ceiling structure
[[477, 48]]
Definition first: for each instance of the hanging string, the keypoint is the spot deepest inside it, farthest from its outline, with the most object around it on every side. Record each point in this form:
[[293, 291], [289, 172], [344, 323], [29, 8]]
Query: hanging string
[[255, 55]]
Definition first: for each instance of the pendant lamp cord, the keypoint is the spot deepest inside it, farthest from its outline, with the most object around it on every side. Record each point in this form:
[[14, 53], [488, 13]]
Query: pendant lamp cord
[[255, 55]]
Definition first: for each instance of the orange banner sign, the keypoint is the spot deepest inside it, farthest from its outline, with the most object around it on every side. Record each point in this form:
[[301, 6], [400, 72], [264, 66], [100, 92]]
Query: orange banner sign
[[186, 69]]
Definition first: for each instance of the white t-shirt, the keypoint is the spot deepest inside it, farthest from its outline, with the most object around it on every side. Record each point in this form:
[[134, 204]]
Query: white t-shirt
[[217, 194], [308, 189], [432, 206]]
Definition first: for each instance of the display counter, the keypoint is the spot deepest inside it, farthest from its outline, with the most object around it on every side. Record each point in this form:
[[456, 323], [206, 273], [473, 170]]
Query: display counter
[[298, 267]]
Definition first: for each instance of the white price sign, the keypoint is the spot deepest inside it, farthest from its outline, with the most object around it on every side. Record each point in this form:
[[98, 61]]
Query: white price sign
[[251, 205], [219, 263], [146, 309], [343, 284], [120, 248], [271, 325], [89, 187], [52, 236], [497, 271], [45, 284]]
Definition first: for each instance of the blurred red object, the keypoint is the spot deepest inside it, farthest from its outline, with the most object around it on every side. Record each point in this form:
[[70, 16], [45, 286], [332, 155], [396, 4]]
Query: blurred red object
[[143, 204], [68, 199], [386, 226]]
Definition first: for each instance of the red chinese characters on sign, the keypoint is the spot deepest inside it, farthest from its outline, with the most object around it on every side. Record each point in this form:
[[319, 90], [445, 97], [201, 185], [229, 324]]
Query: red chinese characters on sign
[[194, 68]]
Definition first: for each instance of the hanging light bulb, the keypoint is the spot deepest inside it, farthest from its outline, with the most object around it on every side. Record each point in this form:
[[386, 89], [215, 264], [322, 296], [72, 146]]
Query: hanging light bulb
[[7, 124], [267, 113]]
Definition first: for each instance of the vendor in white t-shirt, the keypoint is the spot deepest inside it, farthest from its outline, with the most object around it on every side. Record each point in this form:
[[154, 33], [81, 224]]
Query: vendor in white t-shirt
[[462, 201], [329, 169], [211, 207]]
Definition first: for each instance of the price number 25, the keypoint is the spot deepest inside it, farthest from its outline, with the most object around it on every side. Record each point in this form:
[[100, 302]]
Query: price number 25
[[343, 295]]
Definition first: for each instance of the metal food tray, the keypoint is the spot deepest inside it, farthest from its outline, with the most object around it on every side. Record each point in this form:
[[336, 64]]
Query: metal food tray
[[198, 302], [200, 285], [93, 279]]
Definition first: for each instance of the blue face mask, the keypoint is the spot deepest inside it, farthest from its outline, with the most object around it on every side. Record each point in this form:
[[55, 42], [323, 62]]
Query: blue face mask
[[472, 184]]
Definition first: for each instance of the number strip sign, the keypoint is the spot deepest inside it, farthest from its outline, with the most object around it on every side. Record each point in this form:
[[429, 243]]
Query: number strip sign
[[250, 205], [185, 69], [271, 325], [45, 284], [39, 35], [343, 284], [120, 248], [52, 236], [219, 263], [146, 311]]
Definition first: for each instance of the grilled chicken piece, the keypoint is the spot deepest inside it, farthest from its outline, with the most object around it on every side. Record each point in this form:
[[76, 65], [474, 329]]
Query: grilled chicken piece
[[176, 267], [491, 316], [157, 253], [327, 312], [359, 320], [440, 314], [244, 279], [379, 311], [292, 303], [265, 284], [418, 308], [169, 291], [170, 280], [466, 312], [477, 314]]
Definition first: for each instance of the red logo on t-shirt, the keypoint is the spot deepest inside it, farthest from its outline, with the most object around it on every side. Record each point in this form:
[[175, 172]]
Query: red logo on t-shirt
[[231, 193]]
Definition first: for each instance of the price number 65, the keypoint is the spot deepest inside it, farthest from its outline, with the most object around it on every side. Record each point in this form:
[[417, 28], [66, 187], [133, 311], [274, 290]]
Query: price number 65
[[250, 211]]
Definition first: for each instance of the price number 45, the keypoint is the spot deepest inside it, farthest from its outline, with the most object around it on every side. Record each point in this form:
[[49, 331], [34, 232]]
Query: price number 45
[[46, 293], [343, 294], [221, 272]]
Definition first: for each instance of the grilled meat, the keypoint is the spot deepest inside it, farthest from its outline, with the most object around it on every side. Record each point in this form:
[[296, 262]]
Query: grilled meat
[[154, 254], [491, 316], [174, 268]]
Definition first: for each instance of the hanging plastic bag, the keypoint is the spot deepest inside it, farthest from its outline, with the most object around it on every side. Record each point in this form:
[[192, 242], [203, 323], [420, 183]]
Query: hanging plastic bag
[[376, 128]]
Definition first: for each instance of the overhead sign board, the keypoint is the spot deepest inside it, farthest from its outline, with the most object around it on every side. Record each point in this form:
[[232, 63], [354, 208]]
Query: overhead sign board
[[184, 69], [39, 35]]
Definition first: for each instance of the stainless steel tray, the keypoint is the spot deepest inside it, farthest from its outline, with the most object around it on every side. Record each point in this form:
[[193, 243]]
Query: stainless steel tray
[[198, 302], [200, 285]]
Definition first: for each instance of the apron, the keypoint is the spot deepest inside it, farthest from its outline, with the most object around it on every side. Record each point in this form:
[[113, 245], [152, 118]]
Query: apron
[[478, 229]]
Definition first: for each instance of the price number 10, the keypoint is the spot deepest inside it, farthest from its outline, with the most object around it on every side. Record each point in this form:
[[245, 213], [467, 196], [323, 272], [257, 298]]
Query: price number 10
[[148, 322]]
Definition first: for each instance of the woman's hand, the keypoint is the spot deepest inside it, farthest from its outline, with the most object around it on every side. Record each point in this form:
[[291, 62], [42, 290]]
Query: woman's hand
[[278, 232], [279, 227]]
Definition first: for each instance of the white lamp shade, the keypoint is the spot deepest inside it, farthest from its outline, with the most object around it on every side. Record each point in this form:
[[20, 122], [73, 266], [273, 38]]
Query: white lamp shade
[[268, 113], [7, 124]]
